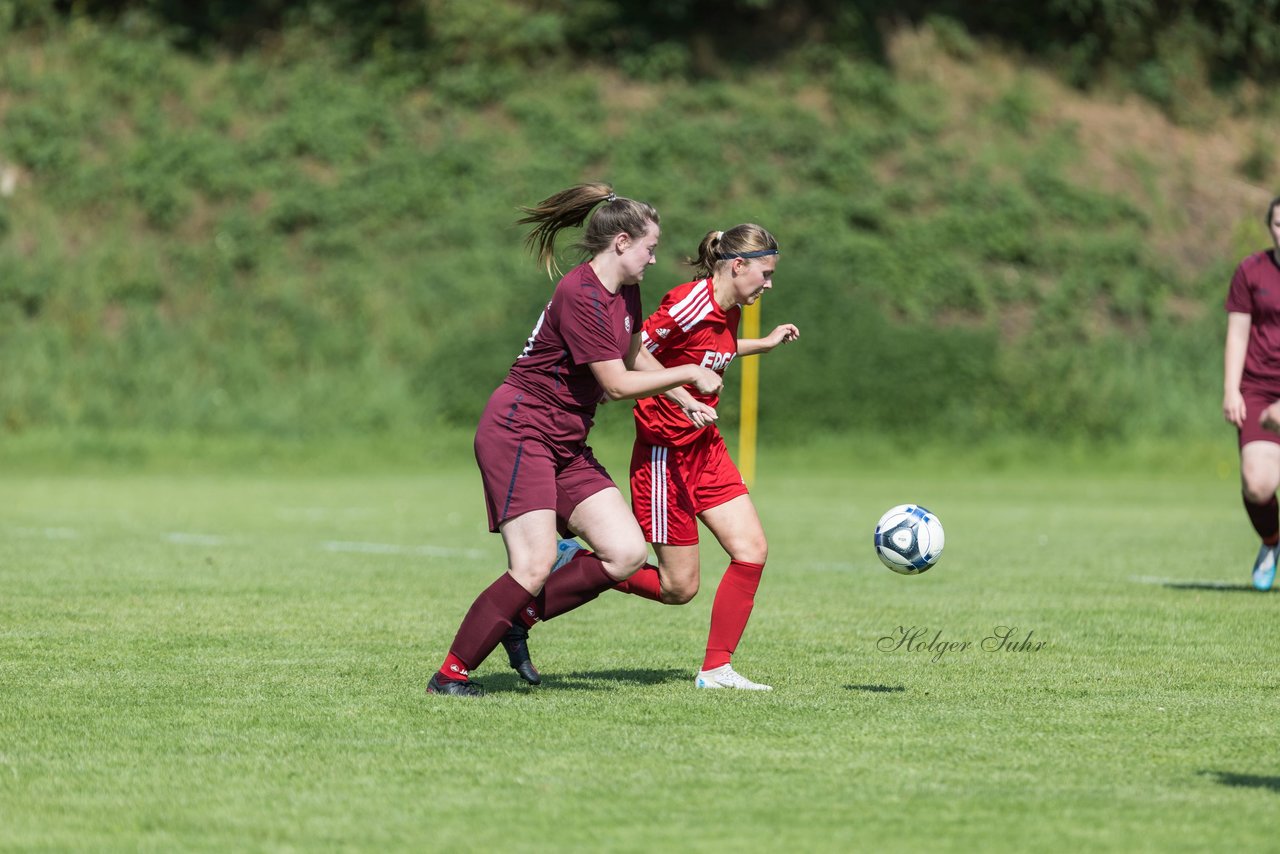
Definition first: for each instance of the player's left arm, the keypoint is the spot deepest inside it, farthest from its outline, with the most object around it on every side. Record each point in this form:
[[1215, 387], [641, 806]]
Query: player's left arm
[[781, 334]]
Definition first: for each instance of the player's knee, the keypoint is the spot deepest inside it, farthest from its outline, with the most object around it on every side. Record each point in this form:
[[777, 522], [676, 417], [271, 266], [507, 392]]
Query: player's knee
[[680, 595], [1259, 490], [531, 576], [623, 560], [756, 551], [636, 558]]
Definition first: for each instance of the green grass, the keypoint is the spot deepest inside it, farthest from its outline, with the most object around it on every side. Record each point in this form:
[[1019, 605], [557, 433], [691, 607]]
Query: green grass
[[235, 662]]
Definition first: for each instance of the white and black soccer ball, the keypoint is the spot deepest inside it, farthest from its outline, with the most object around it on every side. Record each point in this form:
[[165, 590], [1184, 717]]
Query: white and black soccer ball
[[909, 539]]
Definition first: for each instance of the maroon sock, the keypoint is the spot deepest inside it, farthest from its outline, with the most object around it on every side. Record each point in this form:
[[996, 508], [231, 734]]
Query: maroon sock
[[645, 583], [1265, 519], [730, 610], [572, 585], [483, 627], [530, 613], [533, 612]]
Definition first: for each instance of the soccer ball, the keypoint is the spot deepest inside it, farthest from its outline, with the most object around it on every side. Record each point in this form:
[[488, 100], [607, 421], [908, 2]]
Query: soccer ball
[[909, 539]]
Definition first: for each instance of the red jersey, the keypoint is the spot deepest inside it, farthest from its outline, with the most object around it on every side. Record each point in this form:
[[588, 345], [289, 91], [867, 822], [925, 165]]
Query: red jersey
[[1255, 291], [583, 323], [689, 328]]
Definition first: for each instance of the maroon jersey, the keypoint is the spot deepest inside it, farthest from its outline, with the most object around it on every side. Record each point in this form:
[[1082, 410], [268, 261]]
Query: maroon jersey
[[688, 328], [1255, 291], [583, 323]]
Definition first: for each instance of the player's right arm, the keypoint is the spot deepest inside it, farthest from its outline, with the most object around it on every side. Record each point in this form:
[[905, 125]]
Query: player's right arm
[[657, 333], [1233, 408], [695, 410], [621, 383]]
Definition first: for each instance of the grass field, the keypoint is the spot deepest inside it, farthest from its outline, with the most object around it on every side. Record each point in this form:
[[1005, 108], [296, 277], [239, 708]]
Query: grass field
[[234, 662]]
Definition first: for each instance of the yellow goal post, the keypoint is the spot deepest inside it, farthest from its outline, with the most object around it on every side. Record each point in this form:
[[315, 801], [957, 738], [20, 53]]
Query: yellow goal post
[[750, 397]]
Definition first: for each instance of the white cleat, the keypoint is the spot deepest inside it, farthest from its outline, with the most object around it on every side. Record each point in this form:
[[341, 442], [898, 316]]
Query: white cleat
[[726, 677], [566, 550]]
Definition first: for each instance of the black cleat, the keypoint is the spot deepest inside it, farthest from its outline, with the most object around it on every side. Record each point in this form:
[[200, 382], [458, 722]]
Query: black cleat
[[464, 688], [516, 643]]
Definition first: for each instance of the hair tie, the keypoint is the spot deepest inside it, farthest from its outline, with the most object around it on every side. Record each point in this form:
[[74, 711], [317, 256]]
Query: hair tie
[[612, 197]]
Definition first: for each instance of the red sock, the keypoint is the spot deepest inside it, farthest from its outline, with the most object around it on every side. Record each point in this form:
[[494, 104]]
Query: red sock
[[645, 583], [573, 585], [483, 627], [730, 610], [454, 669], [1265, 519]]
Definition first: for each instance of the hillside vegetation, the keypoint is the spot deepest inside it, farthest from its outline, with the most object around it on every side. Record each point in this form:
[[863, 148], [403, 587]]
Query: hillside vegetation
[[291, 236]]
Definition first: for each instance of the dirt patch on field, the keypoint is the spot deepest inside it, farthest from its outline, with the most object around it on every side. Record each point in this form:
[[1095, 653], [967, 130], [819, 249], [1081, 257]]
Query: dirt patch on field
[[1188, 182]]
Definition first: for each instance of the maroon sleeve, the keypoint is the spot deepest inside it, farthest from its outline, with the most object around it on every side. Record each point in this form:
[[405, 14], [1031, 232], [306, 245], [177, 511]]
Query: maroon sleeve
[[584, 326], [1239, 295], [634, 309]]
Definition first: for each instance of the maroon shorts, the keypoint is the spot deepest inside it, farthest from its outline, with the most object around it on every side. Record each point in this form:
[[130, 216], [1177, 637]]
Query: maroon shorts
[[1254, 403], [524, 468], [671, 486]]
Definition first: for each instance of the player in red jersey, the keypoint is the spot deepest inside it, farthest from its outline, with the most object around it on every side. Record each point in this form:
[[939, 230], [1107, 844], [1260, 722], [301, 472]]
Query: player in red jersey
[[539, 474], [681, 471], [1251, 387]]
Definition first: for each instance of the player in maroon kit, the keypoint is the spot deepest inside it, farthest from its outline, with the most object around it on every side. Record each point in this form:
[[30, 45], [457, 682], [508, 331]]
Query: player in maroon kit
[[680, 468], [539, 474], [1251, 384]]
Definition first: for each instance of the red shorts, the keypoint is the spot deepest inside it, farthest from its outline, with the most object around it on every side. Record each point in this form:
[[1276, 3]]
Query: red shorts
[[524, 470], [671, 486], [1254, 403]]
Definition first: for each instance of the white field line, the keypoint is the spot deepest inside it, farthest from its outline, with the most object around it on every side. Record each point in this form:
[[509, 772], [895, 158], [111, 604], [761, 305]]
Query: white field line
[[48, 533], [320, 514], [390, 549], [190, 538], [1184, 582]]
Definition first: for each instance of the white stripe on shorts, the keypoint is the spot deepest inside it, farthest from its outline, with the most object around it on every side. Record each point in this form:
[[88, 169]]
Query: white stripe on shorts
[[658, 494]]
